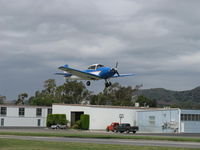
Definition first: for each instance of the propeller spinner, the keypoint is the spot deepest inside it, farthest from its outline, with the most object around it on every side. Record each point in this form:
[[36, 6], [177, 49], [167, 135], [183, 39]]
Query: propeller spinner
[[115, 69]]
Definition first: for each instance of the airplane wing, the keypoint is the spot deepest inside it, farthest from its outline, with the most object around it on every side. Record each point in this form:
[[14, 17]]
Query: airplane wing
[[79, 73], [123, 75]]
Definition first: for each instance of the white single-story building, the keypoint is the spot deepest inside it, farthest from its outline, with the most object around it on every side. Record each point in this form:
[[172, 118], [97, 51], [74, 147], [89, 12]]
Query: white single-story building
[[23, 116], [100, 115]]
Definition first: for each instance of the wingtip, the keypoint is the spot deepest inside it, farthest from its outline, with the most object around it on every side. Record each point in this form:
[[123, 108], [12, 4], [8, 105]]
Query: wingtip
[[65, 66]]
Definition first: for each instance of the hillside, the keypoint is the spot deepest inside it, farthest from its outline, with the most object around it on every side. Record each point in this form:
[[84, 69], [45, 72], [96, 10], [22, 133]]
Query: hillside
[[184, 99]]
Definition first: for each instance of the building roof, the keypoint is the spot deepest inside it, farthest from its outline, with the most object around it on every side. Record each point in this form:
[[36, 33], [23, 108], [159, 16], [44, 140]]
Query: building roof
[[108, 106], [30, 106]]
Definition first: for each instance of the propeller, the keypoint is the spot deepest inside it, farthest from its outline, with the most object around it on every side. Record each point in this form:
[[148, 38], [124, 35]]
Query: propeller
[[116, 65], [115, 69]]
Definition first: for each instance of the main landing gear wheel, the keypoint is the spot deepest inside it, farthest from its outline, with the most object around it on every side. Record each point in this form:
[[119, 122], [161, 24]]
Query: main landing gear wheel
[[107, 84], [88, 83]]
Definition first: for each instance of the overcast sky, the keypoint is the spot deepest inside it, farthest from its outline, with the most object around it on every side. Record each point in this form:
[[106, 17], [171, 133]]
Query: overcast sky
[[157, 39]]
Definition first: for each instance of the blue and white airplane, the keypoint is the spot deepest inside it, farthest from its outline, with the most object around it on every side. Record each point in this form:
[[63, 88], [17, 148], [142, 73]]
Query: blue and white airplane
[[94, 72]]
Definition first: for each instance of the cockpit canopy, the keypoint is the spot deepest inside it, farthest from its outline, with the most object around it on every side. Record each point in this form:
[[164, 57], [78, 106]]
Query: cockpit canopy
[[95, 66]]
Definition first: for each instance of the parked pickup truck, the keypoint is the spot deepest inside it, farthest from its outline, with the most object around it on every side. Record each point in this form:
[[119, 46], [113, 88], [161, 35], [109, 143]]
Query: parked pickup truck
[[126, 127], [112, 127]]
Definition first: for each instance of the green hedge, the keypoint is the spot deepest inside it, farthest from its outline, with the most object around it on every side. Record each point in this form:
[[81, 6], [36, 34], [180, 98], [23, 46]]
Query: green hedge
[[53, 119], [85, 121]]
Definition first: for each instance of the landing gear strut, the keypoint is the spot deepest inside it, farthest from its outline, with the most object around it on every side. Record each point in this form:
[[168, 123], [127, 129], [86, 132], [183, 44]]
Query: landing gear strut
[[107, 83], [88, 83]]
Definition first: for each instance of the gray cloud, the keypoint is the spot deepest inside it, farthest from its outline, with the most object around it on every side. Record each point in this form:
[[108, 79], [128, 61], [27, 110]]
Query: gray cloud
[[158, 40]]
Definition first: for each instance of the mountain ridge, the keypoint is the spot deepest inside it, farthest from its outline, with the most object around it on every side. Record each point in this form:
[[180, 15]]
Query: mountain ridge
[[170, 97]]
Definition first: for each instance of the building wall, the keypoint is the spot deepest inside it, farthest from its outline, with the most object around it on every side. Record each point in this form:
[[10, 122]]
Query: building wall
[[12, 118], [159, 121], [100, 117], [190, 124], [148, 120]]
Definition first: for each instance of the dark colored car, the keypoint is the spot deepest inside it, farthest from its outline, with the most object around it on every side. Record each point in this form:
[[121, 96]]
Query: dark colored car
[[126, 127]]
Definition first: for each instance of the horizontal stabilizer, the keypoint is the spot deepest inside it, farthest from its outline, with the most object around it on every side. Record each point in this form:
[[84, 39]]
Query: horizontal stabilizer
[[64, 74], [60, 74], [123, 75]]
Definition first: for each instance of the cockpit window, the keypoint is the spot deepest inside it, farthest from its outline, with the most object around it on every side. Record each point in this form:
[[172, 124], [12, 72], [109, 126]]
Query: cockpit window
[[92, 67], [99, 66]]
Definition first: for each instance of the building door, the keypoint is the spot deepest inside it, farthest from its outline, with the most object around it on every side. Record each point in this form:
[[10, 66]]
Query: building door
[[182, 127], [39, 122], [2, 121], [75, 116]]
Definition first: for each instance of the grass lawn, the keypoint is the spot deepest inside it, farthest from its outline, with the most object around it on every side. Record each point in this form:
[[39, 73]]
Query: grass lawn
[[13, 144], [104, 136]]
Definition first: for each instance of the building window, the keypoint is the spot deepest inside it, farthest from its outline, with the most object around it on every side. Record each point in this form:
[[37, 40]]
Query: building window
[[38, 111], [185, 117], [196, 117], [21, 112], [182, 117], [152, 120], [190, 117], [2, 121], [39, 122], [3, 111], [193, 117], [49, 111]]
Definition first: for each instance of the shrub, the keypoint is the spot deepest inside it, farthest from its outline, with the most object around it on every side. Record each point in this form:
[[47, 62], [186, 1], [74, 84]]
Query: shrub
[[85, 121], [77, 125], [53, 119]]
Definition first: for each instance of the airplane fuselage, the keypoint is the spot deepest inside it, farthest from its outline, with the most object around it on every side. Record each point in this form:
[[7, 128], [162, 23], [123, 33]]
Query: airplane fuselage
[[103, 72]]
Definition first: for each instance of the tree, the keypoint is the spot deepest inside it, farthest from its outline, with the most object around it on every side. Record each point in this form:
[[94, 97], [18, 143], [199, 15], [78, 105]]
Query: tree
[[47, 96], [114, 95], [71, 93], [21, 98], [50, 86], [2, 99], [143, 101]]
